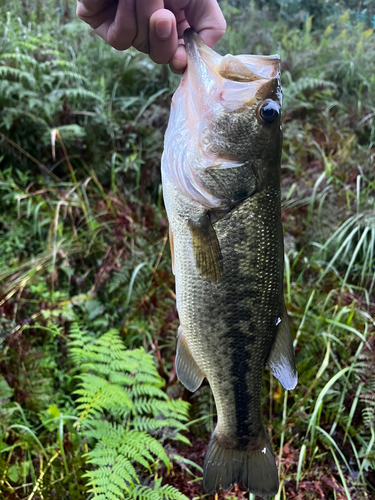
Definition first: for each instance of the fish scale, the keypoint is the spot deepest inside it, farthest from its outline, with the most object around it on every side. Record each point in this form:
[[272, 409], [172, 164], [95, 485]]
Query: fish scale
[[221, 186], [235, 303]]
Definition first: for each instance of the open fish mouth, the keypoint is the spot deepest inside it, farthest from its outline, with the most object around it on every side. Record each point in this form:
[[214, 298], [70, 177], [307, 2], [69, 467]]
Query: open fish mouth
[[237, 78], [216, 110]]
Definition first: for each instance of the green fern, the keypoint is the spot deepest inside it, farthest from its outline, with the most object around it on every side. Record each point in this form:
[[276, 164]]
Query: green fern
[[35, 79], [123, 408], [158, 492], [79, 342], [293, 92], [117, 448]]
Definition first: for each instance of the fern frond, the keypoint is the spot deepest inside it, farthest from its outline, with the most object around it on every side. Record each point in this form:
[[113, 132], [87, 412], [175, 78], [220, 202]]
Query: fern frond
[[120, 470], [158, 492], [79, 342], [80, 93], [61, 63], [125, 386], [10, 115], [148, 365], [150, 377], [17, 92], [115, 451], [173, 407], [28, 45], [17, 56], [65, 75], [52, 52], [21, 75], [119, 278], [180, 437], [148, 390], [142, 444], [97, 395], [152, 424], [160, 407], [71, 132], [121, 378], [300, 86]]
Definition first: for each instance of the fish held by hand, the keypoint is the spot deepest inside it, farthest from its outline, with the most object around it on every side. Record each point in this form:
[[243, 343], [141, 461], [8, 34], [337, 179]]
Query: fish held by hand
[[221, 185]]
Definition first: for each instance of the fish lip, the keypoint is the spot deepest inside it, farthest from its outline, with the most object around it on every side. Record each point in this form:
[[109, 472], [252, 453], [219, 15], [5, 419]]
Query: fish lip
[[192, 37], [197, 51]]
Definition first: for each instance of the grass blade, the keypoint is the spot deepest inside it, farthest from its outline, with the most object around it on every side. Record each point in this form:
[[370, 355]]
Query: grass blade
[[341, 475], [301, 461], [319, 401]]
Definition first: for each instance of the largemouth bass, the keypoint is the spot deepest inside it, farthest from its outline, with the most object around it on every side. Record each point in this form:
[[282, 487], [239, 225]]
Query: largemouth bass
[[221, 184]]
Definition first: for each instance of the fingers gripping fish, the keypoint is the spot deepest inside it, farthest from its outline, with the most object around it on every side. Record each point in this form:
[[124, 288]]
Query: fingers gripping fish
[[221, 184]]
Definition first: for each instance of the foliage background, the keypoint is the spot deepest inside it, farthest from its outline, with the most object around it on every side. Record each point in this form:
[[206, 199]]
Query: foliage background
[[90, 404]]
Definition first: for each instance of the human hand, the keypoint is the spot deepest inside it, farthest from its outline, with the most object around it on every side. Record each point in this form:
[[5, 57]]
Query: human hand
[[155, 27]]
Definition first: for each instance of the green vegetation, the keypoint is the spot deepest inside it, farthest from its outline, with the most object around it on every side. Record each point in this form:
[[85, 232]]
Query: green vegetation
[[89, 402]]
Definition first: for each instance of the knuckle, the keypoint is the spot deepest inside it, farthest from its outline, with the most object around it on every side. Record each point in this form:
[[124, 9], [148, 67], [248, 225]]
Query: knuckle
[[142, 46], [159, 58], [120, 40], [219, 32], [119, 44], [80, 11], [84, 14]]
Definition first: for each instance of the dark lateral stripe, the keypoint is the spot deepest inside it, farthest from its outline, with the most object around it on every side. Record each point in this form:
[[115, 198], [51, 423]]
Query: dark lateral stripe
[[242, 361], [254, 293]]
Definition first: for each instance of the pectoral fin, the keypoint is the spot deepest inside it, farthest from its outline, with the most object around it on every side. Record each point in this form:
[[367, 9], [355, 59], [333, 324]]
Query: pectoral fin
[[187, 370], [207, 253], [281, 359]]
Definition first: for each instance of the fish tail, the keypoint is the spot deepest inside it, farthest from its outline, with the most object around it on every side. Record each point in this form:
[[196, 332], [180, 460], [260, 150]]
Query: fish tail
[[254, 466]]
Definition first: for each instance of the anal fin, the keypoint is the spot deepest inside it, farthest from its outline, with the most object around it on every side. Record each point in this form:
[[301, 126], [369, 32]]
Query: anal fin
[[281, 360], [187, 370], [207, 253]]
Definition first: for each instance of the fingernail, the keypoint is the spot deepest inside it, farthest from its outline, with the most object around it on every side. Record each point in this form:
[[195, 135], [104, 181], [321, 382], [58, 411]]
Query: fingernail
[[163, 29]]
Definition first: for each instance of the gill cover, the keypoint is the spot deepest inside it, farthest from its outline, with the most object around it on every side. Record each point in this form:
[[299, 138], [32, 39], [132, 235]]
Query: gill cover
[[211, 86]]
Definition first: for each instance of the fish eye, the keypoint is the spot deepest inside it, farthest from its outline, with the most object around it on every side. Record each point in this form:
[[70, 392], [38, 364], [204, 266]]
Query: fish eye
[[268, 111]]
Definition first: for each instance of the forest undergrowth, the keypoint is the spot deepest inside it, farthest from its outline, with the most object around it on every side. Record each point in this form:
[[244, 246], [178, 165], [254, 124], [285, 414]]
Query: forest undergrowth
[[90, 406]]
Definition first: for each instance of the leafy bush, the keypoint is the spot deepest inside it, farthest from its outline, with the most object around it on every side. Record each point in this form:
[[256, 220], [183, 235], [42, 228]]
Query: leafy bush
[[68, 81]]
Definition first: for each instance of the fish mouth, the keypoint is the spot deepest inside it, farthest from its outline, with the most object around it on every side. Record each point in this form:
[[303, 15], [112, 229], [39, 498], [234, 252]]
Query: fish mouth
[[255, 66], [215, 110], [239, 79]]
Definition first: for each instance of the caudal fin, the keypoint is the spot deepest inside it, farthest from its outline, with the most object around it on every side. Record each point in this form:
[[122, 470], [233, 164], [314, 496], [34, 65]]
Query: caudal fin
[[256, 468]]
